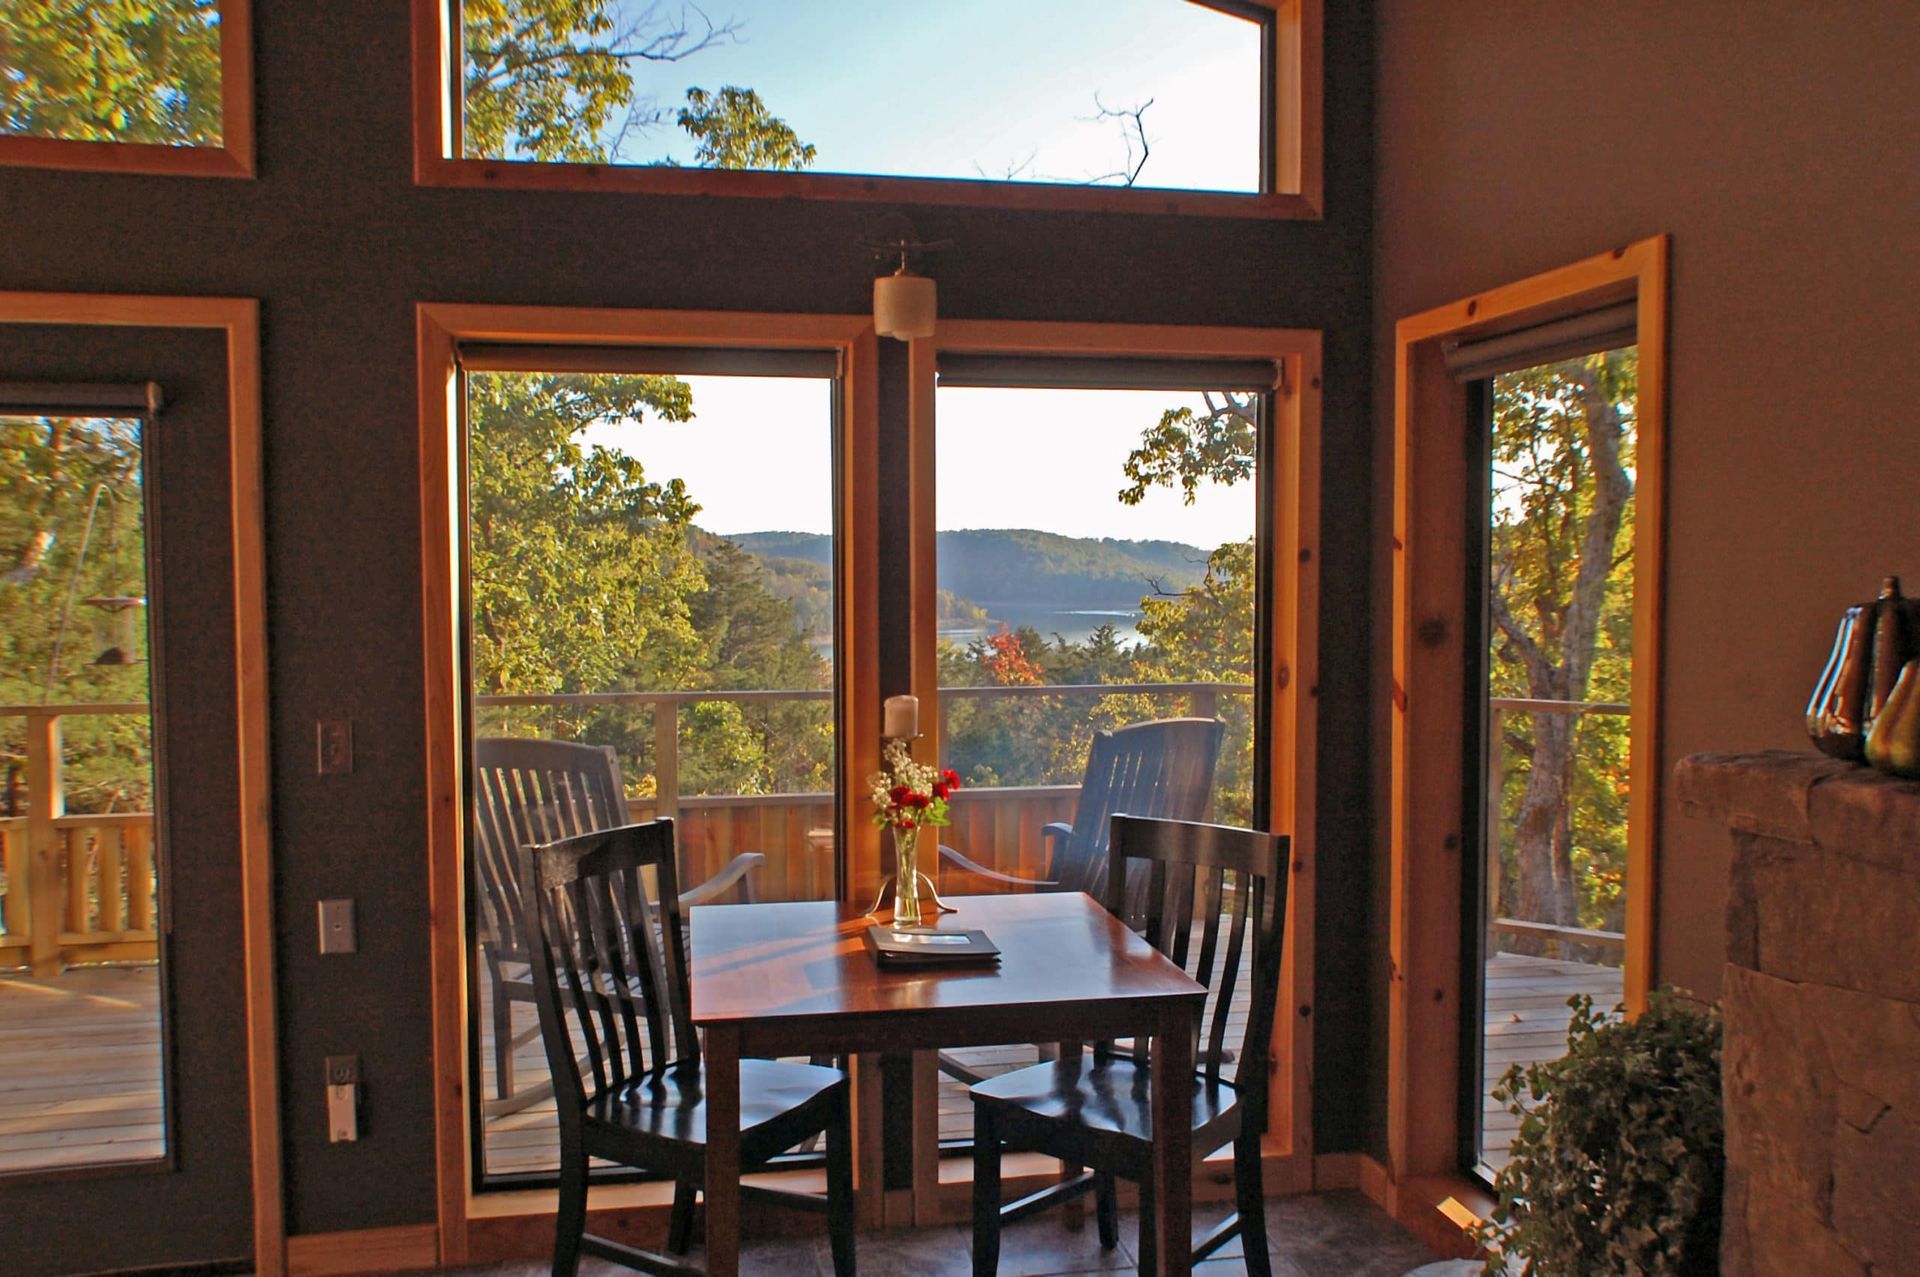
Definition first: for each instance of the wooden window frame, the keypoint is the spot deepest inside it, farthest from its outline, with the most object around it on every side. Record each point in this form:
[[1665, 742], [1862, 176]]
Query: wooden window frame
[[1423, 1184], [1294, 620], [1295, 126], [472, 1225], [239, 319], [232, 158]]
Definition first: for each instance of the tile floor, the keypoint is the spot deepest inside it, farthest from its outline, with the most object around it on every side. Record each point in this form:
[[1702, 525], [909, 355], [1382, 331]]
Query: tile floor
[[1325, 1235]]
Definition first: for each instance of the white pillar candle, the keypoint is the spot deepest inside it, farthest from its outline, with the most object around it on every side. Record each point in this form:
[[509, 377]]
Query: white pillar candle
[[902, 716]]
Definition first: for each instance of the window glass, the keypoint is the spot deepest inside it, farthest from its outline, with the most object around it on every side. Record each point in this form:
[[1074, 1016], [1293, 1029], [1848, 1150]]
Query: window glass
[[81, 1064], [1072, 556], [1150, 93], [1559, 599], [142, 71], [650, 573]]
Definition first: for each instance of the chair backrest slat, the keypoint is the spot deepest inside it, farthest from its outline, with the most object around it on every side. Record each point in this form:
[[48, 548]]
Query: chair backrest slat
[[606, 958], [1163, 768], [1231, 881], [528, 792]]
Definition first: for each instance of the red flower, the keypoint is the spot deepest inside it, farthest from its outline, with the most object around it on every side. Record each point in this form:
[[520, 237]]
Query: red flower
[[940, 789], [898, 794], [918, 800], [951, 778]]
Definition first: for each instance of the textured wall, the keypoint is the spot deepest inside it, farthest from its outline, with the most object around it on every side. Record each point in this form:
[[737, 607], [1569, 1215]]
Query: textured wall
[[1775, 142], [339, 245]]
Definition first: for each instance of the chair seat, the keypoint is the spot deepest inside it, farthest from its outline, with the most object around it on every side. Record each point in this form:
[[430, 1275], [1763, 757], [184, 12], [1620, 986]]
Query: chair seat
[[1108, 1096], [668, 1105]]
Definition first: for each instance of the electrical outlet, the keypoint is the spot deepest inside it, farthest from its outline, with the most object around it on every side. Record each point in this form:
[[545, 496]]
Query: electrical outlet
[[343, 1099], [335, 743], [337, 934]]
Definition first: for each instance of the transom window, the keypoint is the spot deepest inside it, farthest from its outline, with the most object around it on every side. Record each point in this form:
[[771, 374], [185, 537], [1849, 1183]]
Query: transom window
[[1070, 104]]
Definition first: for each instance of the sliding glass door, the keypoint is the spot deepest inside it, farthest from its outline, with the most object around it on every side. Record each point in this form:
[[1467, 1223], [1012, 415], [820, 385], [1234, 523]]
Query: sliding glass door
[[652, 564]]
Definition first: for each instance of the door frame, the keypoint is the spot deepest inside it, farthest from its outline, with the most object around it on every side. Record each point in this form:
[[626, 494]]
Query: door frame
[[469, 1223], [239, 319], [1423, 1185]]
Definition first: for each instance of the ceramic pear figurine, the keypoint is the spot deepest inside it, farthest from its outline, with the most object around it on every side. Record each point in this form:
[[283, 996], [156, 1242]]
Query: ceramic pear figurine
[[1894, 743]]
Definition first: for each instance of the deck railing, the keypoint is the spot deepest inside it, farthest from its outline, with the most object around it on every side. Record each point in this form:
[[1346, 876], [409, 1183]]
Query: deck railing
[[78, 888], [999, 826], [1609, 947]]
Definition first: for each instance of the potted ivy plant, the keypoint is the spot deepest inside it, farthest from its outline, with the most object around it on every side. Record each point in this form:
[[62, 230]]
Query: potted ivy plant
[[1620, 1159]]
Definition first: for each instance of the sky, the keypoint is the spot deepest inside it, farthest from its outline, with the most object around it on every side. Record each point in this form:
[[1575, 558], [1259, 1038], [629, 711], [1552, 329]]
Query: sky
[[982, 87], [757, 457]]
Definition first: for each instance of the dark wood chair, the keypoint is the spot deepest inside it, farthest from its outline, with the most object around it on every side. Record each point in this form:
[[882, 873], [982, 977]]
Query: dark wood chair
[[536, 791], [1162, 769], [611, 984], [1226, 889]]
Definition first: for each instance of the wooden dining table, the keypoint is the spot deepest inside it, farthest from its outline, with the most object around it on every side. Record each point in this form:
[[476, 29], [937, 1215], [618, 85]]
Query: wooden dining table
[[789, 979]]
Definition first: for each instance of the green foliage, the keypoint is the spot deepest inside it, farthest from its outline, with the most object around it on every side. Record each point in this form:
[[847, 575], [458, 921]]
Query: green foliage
[[111, 70], [1619, 1162], [50, 471], [587, 576], [1189, 448], [554, 80], [734, 129]]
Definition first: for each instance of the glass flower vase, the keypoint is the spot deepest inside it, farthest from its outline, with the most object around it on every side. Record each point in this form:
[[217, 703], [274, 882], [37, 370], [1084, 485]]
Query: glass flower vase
[[906, 880]]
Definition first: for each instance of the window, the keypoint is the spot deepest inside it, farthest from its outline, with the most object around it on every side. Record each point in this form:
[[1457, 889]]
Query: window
[[655, 621], [1557, 592], [1065, 587], [1202, 105], [160, 86]]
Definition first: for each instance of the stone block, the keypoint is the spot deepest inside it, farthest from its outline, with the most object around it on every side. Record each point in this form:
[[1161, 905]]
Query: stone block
[[1876, 1194], [1832, 920], [1767, 793], [1781, 1102], [1870, 816]]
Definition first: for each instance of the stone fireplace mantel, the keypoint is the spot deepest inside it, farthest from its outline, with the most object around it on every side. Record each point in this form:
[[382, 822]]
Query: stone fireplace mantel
[[1822, 1007]]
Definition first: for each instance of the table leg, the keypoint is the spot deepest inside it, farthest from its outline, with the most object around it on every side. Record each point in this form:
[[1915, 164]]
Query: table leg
[[723, 1150], [1172, 1105]]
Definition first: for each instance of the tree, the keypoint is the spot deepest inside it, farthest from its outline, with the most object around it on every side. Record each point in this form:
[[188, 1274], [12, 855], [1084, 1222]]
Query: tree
[[1560, 597], [54, 472], [112, 70], [555, 80], [734, 129]]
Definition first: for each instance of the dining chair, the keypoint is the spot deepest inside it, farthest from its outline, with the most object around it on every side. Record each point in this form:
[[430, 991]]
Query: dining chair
[[1163, 768], [1215, 903], [611, 984], [529, 791]]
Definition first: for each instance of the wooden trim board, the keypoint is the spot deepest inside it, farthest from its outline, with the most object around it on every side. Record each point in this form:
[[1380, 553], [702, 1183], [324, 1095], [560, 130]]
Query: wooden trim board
[[234, 156], [440, 326], [1296, 130], [239, 319], [369, 1250], [1430, 628]]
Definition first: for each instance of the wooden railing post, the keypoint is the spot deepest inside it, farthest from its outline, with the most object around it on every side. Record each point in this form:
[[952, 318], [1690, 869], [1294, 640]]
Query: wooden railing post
[[666, 756], [1204, 702], [46, 803], [1496, 792]]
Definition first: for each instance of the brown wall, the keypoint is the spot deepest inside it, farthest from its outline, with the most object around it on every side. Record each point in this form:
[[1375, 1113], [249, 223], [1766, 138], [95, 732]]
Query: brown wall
[[339, 245], [1775, 141]]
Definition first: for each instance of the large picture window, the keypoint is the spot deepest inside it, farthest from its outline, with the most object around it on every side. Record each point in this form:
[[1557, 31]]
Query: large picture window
[[1127, 104], [651, 634], [145, 86]]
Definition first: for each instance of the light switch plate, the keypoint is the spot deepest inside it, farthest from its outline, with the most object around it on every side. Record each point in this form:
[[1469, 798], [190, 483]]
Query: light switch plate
[[337, 933], [343, 1099]]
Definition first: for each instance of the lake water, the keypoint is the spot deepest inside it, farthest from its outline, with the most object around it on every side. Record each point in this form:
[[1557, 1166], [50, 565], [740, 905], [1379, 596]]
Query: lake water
[[1075, 626]]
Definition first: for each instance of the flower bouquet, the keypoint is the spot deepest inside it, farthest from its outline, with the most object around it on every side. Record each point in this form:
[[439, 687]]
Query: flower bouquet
[[907, 797]]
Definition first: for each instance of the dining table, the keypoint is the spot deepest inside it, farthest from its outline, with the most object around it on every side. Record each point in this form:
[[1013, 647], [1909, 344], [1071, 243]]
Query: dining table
[[797, 978]]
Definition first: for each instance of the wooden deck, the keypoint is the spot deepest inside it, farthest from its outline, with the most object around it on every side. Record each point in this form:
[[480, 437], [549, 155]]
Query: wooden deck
[[1526, 1018], [80, 1063], [80, 1068]]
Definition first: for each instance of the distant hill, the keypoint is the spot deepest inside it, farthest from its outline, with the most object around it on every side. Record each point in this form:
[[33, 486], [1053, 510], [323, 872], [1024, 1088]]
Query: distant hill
[[1020, 567]]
